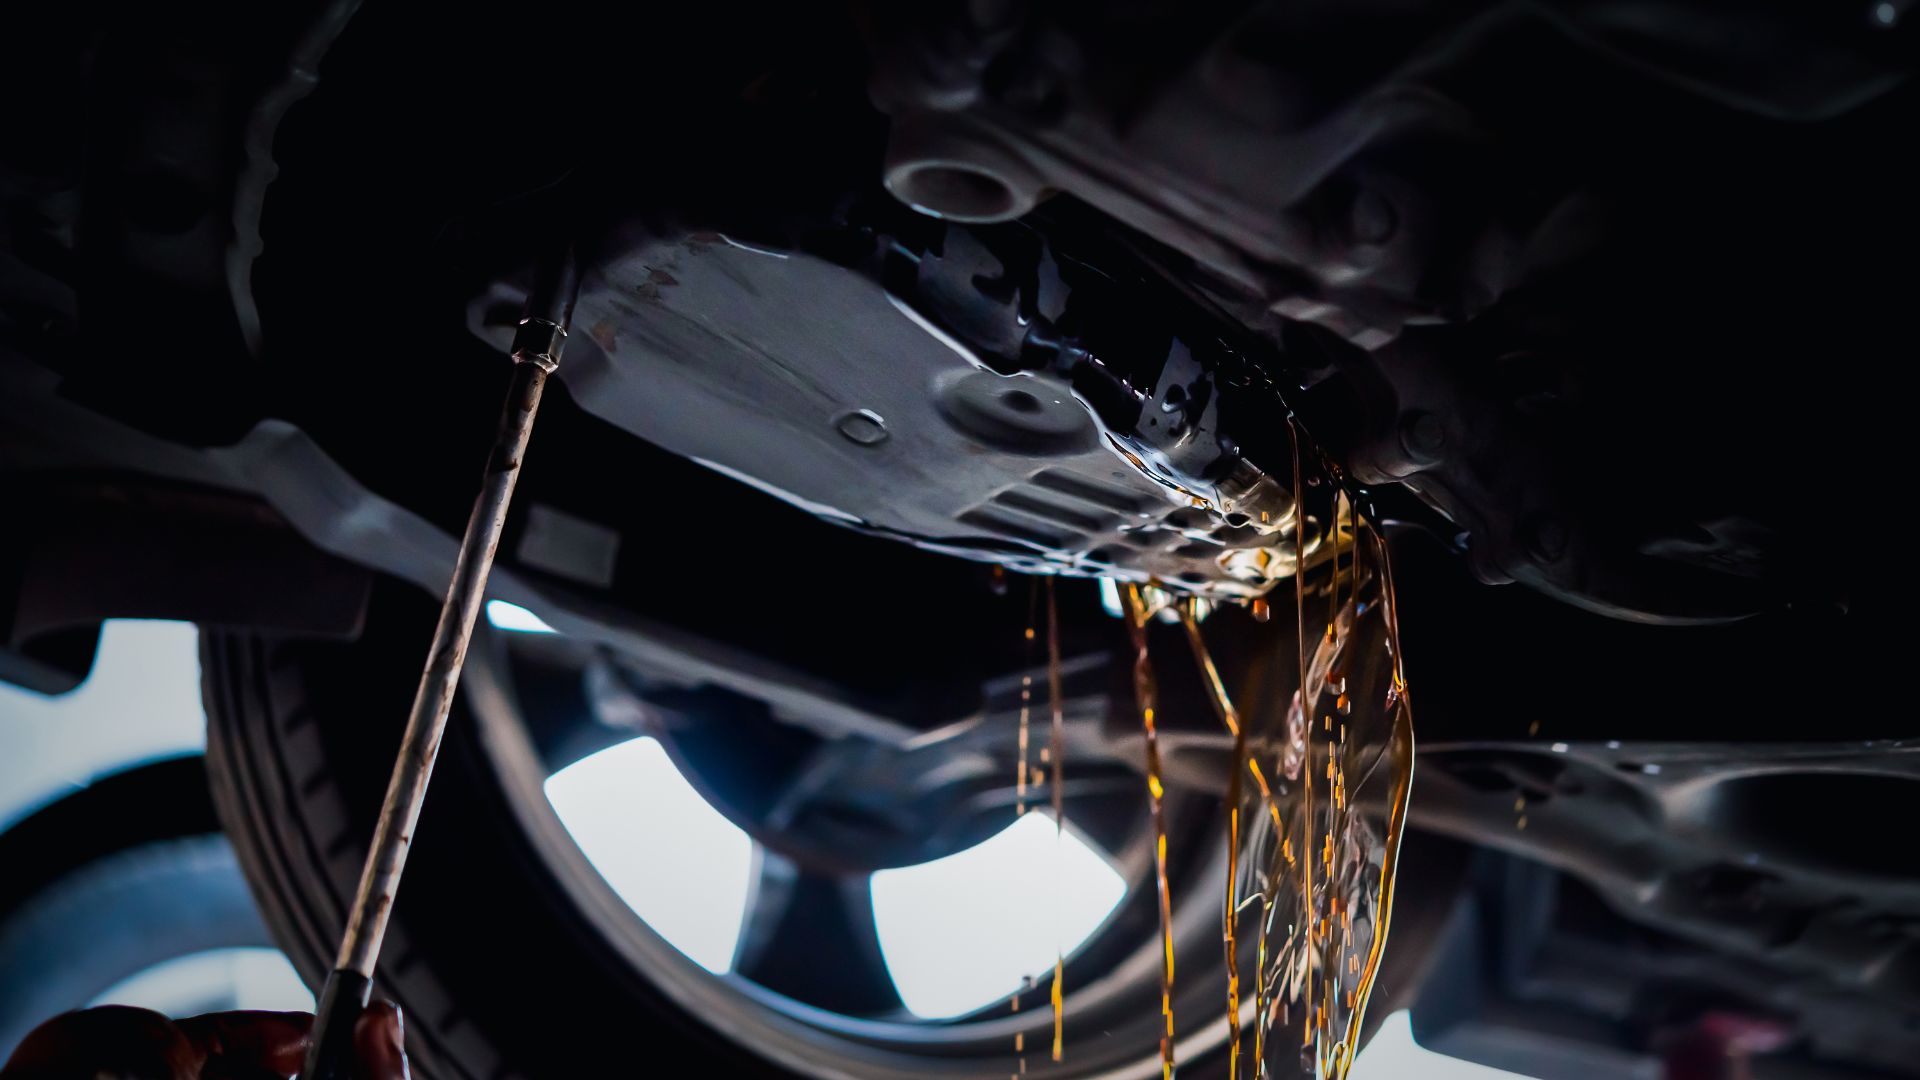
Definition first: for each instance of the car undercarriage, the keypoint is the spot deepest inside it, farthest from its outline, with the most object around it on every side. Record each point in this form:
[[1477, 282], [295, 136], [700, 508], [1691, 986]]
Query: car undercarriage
[[1594, 312]]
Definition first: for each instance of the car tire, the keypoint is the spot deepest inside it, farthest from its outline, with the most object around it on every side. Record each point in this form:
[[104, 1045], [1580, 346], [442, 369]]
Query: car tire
[[484, 955], [126, 874]]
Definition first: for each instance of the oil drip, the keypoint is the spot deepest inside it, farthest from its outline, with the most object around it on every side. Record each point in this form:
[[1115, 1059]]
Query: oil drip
[[1026, 707], [1324, 942], [1322, 891], [1314, 869], [1146, 692], [1056, 748], [1023, 774], [1302, 930], [1230, 918]]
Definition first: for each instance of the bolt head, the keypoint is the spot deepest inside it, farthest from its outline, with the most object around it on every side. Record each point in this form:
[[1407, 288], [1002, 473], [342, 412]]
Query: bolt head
[[1423, 436], [1372, 219], [862, 427], [1547, 540]]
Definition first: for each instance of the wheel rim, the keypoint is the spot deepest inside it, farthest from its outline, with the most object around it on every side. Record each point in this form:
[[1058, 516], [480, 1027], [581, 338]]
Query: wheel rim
[[1112, 980]]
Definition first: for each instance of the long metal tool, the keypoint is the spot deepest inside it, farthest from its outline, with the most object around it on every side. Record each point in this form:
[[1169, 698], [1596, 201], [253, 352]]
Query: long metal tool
[[536, 353]]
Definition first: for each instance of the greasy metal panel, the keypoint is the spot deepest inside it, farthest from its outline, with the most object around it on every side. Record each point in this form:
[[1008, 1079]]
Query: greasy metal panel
[[809, 381]]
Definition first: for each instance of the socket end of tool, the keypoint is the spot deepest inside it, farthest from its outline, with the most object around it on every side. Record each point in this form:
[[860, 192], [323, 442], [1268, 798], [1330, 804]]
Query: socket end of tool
[[543, 327]]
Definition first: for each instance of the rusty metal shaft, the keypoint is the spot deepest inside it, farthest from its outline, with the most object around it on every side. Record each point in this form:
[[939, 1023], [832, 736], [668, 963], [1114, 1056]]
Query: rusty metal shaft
[[407, 788], [536, 354]]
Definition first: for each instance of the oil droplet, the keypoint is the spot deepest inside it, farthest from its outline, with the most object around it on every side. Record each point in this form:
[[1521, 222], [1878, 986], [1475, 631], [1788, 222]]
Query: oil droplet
[[1026, 717], [1026, 704]]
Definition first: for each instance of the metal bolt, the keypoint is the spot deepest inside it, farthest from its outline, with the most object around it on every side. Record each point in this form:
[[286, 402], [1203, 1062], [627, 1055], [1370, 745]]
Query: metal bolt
[[1547, 540], [1372, 219], [863, 427], [1423, 437]]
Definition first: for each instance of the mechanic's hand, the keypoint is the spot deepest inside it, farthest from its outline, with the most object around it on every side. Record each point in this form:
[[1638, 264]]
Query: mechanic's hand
[[115, 1042]]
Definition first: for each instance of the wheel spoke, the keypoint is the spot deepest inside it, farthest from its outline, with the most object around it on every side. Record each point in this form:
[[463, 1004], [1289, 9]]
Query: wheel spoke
[[812, 938]]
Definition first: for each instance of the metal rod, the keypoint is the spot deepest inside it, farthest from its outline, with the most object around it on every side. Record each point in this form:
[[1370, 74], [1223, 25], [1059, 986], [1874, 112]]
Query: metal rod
[[407, 789], [536, 353]]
